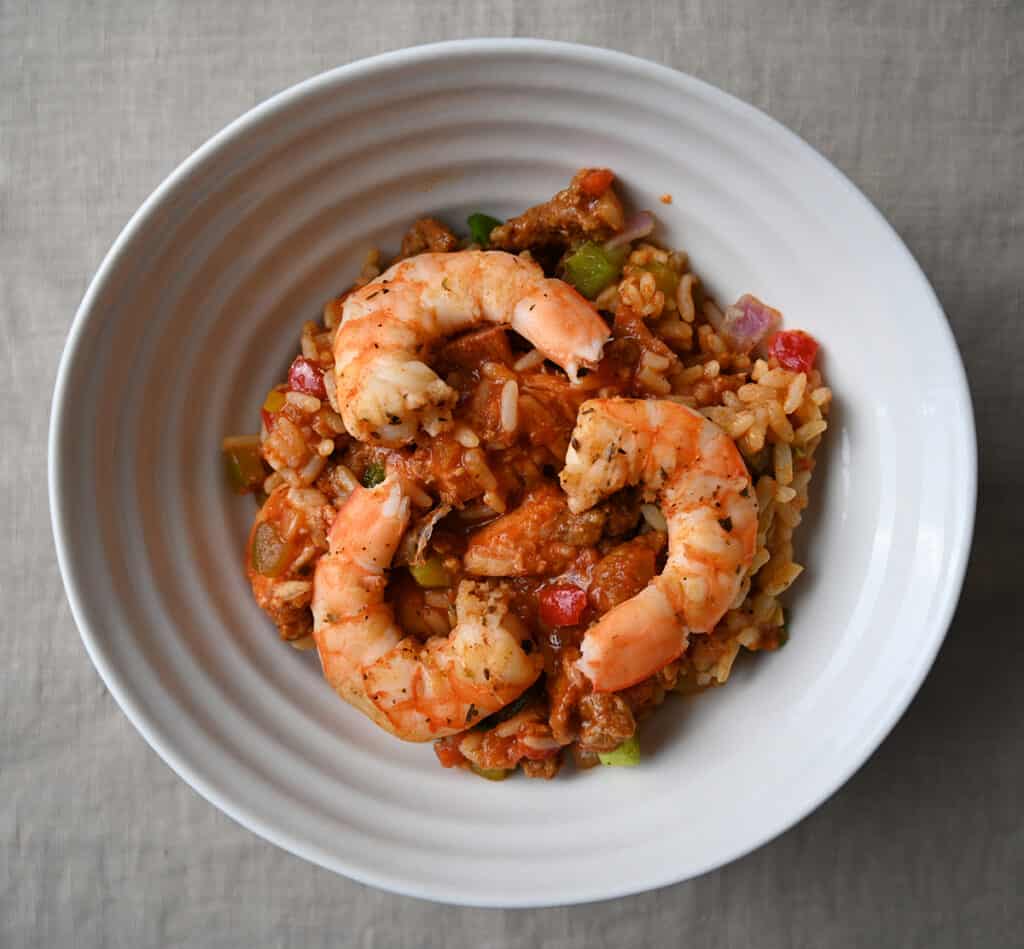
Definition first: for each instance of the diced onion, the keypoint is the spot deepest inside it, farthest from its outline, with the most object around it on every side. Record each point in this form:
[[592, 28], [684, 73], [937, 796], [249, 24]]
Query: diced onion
[[639, 226]]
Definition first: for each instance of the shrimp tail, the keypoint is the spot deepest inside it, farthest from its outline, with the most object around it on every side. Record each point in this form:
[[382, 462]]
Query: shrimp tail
[[614, 657]]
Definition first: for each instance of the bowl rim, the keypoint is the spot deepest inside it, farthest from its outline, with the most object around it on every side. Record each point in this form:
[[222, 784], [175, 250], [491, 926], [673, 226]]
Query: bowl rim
[[961, 532]]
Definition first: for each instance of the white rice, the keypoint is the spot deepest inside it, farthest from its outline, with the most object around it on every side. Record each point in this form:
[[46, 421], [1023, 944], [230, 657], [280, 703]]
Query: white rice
[[334, 420], [308, 341], [821, 396], [784, 493], [653, 379], [478, 468], [332, 392], [510, 406], [465, 436], [656, 361], [531, 360], [795, 393], [311, 470], [783, 463], [308, 403], [809, 430]]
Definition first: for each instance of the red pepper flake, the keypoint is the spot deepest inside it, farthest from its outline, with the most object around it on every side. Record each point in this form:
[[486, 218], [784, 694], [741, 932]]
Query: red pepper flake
[[305, 376], [562, 604], [596, 182], [794, 350]]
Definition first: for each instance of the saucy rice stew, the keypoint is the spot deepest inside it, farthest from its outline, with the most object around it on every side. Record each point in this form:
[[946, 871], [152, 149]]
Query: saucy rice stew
[[527, 482]]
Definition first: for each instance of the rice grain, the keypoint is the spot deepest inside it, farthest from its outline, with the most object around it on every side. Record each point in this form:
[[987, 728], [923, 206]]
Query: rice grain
[[332, 394], [308, 342], [465, 436], [530, 360], [809, 430], [821, 396], [510, 406], [795, 393], [307, 403], [312, 469], [783, 464]]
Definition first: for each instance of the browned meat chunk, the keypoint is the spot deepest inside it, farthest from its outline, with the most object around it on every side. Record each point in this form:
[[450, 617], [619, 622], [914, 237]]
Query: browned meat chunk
[[606, 721], [539, 537], [546, 768], [624, 571], [601, 721], [566, 686], [292, 617], [644, 697], [623, 509], [588, 209], [471, 350], [482, 408], [548, 405], [428, 234]]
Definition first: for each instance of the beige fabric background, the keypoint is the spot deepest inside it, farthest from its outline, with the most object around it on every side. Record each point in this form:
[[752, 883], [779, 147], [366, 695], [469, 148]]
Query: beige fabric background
[[919, 101]]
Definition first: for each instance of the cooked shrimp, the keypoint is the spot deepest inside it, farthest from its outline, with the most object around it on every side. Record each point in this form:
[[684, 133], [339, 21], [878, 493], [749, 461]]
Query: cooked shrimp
[[693, 470], [415, 690], [386, 391]]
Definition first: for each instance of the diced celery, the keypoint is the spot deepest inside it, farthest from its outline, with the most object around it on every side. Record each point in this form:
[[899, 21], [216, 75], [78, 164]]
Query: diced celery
[[664, 276], [480, 227], [269, 552], [627, 755], [492, 774], [374, 474], [243, 465], [590, 268], [430, 574]]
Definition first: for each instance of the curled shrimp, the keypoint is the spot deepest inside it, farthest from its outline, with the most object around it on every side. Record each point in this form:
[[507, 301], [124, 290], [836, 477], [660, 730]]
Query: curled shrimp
[[386, 390], [693, 470], [416, 690]]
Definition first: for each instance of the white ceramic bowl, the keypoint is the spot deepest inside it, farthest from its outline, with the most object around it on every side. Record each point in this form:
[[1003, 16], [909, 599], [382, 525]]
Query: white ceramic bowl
[[197, 309]]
